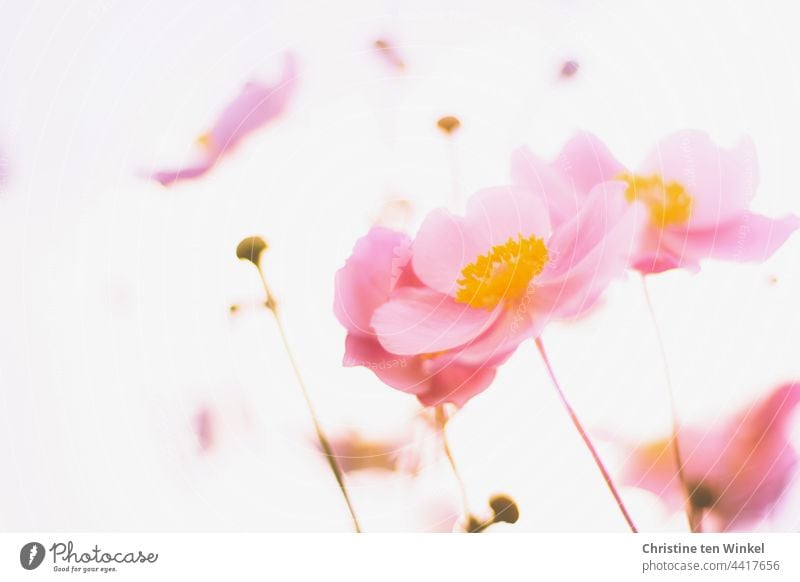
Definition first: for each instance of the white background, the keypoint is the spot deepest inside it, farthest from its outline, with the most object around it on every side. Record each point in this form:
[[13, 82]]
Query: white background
[[115, 291]]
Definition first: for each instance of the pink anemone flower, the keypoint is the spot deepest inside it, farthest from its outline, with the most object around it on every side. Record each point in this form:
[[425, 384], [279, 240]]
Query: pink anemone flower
[[497, 275], [736, 471], [378, 268], [256, 105], [697, 195]]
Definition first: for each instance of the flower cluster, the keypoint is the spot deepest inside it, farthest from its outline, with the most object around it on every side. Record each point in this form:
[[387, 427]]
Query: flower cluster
[[436, 315]]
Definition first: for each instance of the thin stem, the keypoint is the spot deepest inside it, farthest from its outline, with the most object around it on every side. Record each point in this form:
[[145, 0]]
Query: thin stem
[[441, 420], [695, 524], [323, 440], [587, 441]]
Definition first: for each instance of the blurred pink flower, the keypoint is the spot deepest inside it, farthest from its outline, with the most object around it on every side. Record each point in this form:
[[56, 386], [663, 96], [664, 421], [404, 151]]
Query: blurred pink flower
[[736, 471], [496, 276], [379, 268], [354, 452], [204, 428], [697, 195], [256, 105], [389, 54]]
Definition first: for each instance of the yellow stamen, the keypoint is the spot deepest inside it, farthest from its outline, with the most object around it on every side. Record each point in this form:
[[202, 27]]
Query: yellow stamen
[[205, 141], [503, 274], [669, 202]]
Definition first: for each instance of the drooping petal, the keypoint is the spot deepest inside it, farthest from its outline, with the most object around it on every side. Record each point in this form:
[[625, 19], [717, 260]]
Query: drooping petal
[[456, 383], [721, 182], [423, 321], [368, 277], [446, 243], [747, 237]]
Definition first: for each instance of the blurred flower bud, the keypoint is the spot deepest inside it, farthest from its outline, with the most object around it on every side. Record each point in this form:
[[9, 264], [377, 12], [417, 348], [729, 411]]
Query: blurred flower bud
[[250, 249], [505, 509], [448, 124]]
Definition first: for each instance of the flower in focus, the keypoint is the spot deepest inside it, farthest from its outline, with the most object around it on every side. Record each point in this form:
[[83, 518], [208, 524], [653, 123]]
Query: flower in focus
[[696, 194], [377, 270], [736, 471], [497, 275], [256, 105]]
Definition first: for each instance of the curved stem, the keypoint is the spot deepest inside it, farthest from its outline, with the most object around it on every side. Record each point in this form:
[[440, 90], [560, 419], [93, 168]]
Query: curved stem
[[323, 440], [695, 525], [441, 420], [587, 441]]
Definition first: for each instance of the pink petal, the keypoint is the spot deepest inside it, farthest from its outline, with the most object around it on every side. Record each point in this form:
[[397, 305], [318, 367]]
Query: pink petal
[[422, 321], [445, 243], [168, 177], [583, 163], [589, 252], [402, 373], [586, 162], [457, 384], [531, 172], [255, 106], [368, 277], [747, 237], [433, 380], [499, 342], [720, 181]]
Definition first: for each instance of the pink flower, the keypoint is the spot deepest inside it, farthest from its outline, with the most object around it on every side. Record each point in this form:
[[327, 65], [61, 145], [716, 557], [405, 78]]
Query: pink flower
[[696, 193], [497, 275], [736, 471], [256, 105], [379, 268]]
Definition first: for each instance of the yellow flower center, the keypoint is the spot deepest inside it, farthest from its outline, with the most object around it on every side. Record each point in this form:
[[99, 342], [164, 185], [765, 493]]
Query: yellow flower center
[[503, 274], [669, 202]]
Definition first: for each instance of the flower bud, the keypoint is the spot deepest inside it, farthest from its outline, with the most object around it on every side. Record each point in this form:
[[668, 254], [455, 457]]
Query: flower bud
[[250, 249], [448, 124], [505, 509]]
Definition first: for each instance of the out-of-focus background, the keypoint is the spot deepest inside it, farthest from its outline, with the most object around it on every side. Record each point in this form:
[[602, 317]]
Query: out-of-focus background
[[131, 398]]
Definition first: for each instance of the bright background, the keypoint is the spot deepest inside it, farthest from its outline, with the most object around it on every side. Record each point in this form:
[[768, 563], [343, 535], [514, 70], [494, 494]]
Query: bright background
[[115, 327]]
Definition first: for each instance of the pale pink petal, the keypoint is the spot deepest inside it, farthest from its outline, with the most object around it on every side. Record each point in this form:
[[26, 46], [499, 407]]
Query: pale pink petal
[[720, 181], [588, 253], [564, 184], [586, 162], [531, 172], [422, 321], [748, 237], [368, 277], [445, 243]]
